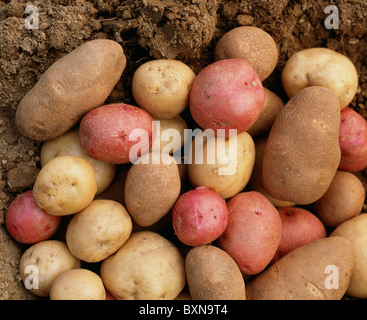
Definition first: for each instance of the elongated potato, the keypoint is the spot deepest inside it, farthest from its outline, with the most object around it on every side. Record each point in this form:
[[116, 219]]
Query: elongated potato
[[319, 270], [72, 86], [302, 153]]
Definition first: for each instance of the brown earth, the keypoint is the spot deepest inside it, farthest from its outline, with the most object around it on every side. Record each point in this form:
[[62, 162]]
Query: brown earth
[[177, 29]]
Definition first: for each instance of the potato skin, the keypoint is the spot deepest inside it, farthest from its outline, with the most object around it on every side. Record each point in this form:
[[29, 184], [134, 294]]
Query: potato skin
[[253, 231], [152, 187], [72, 86], [252, 44], [343, 200], [213, 275], [302, 273], [302, 153]]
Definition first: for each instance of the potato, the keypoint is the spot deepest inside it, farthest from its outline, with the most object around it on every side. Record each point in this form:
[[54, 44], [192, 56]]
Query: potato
[[225, 166], [65, 185], [352, 141], [321, 67], [199, 216], [299, 227], [152, 186], [270, 109], [252, 44], [98, 230], [41, 263], [227, 94], [129, 133], [319, 270], [302, 153], [161, 87], [27, 223], [146, 267], [354, 230], [256, 181], [69, 144], [77, 83], [253, 231], [78, 284], [213, 275], [171, 135], [343, 200]]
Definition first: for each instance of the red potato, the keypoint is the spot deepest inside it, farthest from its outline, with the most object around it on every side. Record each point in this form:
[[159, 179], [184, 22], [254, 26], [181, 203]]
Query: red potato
[[117, 133], [352, 141], [27, 223], [199, 216], [253, 232], [227, 94], [299, 227]]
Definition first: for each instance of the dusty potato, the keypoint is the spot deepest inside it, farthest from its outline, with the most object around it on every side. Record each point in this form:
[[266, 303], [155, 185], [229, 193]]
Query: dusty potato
[[343, 200], [213, 275], [171, 135], [299, 227], [252, 44], [77, 83], [69, 144], [98, 230], [152, 186], [302, 153], [354, 230], [41, 263], [321, 67], [65, 185], [116, 133], [78, 284], [227, 94], [162, 86], [253, 231], [256, 182], [270, 109], [223, 165], [352, 141], [319, 270], [146, 267]]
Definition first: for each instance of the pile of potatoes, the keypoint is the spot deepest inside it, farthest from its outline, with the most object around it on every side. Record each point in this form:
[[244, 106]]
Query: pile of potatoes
[[265, 205]]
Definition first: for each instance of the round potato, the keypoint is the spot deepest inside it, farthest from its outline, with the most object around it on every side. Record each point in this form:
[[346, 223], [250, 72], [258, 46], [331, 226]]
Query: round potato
[[146, 267], [152, 186], [65, 185], [161, 87], [343, 200], [41, 263], [223, 165], [354, 230], [69, 89], [252, 44], [78, 284], [171, 135], [69, 144], [270, 109], [302, 153], [321, 67], [98, 230], [213, 275]]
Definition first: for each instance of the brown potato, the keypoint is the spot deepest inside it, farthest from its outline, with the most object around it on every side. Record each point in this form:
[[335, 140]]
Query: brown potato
[[77, 83], [152, 186], [252, 44], [319, 270], [342, 201], [354, 230], [302, 153], [270, 109], [213, 275]]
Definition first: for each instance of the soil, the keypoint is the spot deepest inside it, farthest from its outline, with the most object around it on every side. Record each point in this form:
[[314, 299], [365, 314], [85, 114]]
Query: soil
[[147, 29]]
